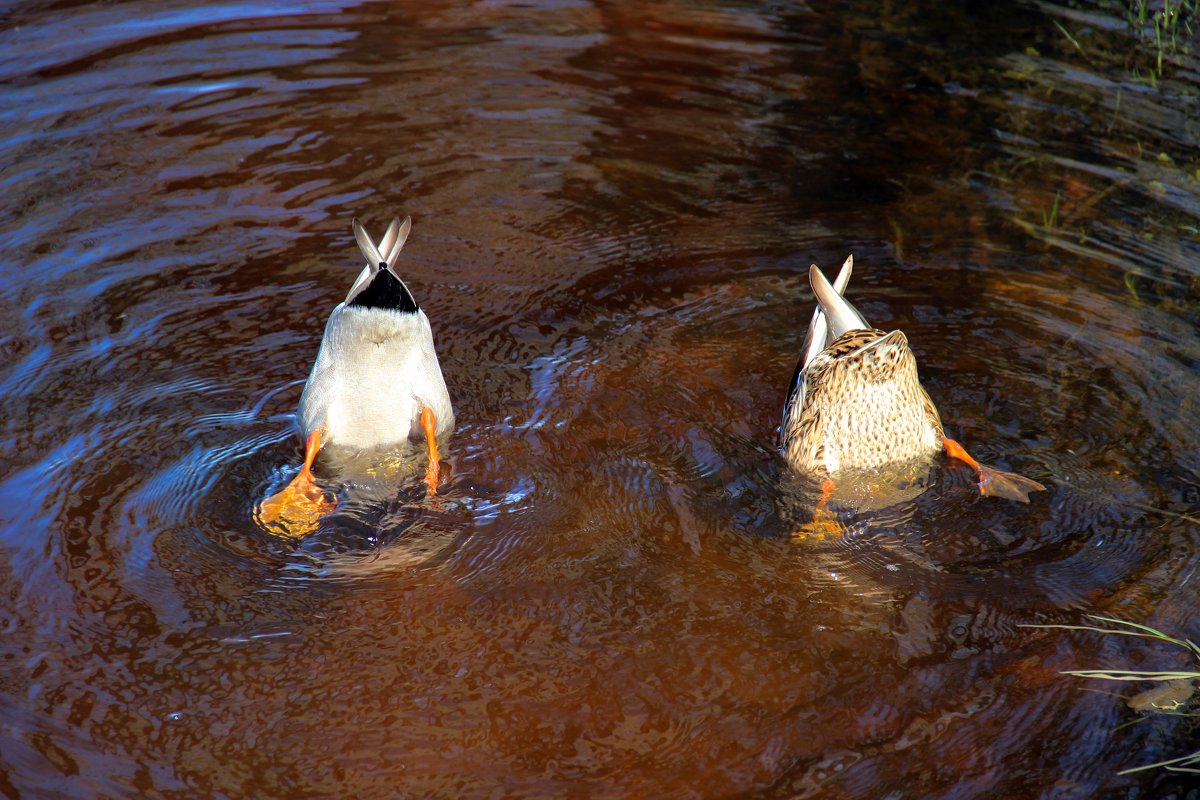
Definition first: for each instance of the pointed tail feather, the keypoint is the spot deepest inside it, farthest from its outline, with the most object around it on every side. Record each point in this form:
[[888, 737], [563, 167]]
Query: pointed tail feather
[[839, 314], [817, 338], [393, 241], [366, 245], [389, 238]]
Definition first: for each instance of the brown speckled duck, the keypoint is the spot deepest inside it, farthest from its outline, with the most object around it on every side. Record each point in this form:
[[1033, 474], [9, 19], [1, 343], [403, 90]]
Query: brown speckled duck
[[856, 401]]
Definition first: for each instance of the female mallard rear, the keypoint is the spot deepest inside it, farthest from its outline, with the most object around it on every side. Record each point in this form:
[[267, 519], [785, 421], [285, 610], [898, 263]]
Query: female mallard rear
[[856, 401]]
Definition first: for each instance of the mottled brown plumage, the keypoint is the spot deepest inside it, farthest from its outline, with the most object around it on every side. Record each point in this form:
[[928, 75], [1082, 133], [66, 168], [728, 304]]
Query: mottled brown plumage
[[863, 406]]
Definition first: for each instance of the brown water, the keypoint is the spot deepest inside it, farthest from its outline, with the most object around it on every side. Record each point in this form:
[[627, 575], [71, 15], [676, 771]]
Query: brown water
[[614, 207]]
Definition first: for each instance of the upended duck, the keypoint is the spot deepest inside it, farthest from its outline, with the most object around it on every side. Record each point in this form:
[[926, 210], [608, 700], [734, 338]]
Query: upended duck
[[376, 381], [857, 403]]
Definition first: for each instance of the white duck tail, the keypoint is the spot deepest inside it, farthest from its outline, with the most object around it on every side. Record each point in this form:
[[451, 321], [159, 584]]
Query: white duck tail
[[377, 368], [376, 382]]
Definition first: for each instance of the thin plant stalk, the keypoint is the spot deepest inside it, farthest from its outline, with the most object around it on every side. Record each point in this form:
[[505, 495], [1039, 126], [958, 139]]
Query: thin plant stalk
[[1189, 763]]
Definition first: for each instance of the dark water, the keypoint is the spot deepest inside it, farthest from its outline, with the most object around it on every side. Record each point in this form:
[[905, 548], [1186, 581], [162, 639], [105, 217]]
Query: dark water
[[614, 207]]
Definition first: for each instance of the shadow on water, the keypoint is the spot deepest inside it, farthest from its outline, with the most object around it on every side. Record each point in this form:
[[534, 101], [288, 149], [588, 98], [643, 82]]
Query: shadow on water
[[615, 206]]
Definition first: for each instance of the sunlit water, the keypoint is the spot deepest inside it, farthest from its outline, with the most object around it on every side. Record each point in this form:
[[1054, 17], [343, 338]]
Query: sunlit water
[[614, 211]]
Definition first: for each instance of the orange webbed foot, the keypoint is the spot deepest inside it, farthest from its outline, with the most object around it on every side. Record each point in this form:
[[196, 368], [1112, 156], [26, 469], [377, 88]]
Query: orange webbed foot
[[295, 511], [1009, 485], [826, 529], [824, 525], [995, 482]]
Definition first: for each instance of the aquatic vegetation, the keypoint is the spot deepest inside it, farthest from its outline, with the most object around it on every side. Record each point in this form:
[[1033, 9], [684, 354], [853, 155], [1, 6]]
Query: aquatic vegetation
[[1176, 689], [1161, 31], [1162, 24], [1098, 159]]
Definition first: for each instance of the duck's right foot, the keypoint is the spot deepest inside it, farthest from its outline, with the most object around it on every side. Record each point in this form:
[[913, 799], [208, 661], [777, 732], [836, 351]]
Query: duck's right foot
[[295, 511]]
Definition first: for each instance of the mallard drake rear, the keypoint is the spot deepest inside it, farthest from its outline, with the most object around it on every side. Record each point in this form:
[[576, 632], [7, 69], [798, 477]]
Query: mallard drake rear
[[376, 381]]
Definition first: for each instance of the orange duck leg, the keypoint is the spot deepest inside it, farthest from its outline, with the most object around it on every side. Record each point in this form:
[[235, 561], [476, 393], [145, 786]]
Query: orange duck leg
[[295, 511], [995, 482]]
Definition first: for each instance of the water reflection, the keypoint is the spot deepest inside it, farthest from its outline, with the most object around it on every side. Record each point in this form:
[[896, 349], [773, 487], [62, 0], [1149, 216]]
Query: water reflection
[[617, 206]]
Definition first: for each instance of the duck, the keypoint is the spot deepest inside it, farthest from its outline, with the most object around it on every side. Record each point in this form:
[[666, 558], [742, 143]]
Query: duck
[[376, 382], [856, 401]]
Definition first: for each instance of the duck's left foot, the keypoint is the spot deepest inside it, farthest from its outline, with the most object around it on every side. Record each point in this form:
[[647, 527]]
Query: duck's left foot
[[433, 471], [995, 482], [295, 511], [824, 525], [827, 489], [820, 530]]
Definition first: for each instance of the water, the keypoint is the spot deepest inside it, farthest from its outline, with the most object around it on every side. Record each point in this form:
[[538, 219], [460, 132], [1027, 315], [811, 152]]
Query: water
[[614, 211]]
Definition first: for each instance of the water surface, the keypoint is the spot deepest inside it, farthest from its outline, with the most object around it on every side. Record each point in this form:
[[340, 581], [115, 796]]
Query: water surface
[[615, 206]]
